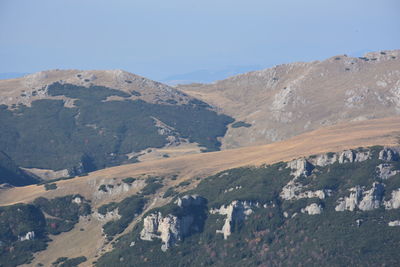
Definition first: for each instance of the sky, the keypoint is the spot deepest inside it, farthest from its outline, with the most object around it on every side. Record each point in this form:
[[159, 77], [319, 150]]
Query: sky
[[160, 38]]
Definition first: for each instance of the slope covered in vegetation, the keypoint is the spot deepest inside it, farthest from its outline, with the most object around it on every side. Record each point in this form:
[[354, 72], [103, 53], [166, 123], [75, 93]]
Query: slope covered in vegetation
[[97, 132], [332, 209]]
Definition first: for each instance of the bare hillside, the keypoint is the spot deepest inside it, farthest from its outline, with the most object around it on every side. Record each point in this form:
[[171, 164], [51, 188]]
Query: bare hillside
[[290, 99], [34, 86]]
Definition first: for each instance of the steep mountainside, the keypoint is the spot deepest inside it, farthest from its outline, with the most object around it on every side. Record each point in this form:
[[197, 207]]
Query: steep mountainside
[[120, 198], [12, 175], [334, 209], [289, 99], [72, 121]]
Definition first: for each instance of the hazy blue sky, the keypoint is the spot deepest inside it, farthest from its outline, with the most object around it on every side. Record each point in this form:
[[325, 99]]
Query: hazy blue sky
[[158, 38]]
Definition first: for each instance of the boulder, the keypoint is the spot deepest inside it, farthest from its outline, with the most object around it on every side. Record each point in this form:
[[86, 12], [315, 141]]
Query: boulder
[[394, 223], [312, 209], [28, 236], [394, 202]]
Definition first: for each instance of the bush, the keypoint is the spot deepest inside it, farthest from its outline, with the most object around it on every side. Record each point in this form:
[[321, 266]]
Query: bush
[[52, 186], [239, 124], [128, 209], [129, 180], [170, 193]]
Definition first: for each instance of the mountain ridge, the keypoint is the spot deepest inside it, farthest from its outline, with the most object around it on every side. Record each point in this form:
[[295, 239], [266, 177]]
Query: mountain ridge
[[293, 98]]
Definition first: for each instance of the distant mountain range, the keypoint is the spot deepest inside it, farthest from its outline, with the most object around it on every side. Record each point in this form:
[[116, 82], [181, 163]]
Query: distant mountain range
[[207, 76], [12, 75]]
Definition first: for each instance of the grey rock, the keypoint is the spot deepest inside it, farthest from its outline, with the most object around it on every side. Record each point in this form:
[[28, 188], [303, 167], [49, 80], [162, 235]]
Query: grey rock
[[385, 171], [312, 209], [236, 211], [388, 154]]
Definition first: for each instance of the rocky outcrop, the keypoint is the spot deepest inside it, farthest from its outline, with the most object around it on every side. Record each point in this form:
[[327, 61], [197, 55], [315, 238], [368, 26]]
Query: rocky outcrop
[[234, 212], [295, 191], [388, 154], [394, 223], [167, 228], [172, 228], [312, 209], [77, 200], [28, 236], [113, 188], [349, 156], [362, 199], [300, 167], [304, 167], [189, 200], [109, 216], [385, 171], [324, 159], [394, 202]]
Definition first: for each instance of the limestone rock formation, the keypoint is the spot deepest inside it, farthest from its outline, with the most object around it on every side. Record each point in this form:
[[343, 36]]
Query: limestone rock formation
[[172, 228], [394, 202], [300, 167], [236, 211], [388, 154], [28, 236], [167, 228], [385, 171], [362, 199], [312, 209], [394, 223]]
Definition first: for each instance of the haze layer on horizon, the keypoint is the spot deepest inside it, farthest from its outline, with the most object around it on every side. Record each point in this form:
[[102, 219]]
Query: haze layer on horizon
[[156, 38]]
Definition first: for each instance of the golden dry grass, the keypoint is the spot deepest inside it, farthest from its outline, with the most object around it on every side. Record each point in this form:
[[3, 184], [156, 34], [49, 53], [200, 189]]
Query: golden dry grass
[[90, 242], [335, 138]]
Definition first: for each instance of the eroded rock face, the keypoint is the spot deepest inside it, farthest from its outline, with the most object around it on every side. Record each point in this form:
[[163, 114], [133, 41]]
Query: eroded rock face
[[312, 209], [346, 156], [172, 228], [324, 159], [167, 228], [362, 199], [300, 167], [295, 191], [236, 211], [304, 167], [109, 216], [28, 236], [189, 200], [394, 202], [388, 154], [385, 171]]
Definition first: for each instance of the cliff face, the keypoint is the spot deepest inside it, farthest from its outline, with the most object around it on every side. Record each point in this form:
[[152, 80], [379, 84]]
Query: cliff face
[[289, 99], [172, 228]]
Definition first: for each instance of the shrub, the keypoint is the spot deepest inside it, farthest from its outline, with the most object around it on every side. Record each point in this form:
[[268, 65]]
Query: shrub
[[51, 186], [239, 124], [129, 180]]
